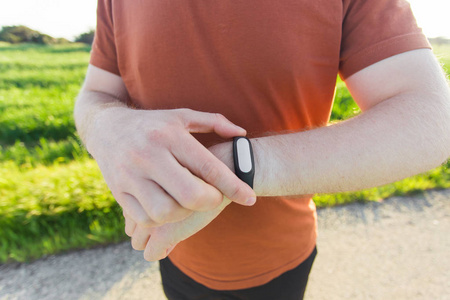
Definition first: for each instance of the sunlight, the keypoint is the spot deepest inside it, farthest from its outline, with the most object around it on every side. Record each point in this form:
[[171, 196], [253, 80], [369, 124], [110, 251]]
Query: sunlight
[[432, 16], [58, 18], [70, 18]]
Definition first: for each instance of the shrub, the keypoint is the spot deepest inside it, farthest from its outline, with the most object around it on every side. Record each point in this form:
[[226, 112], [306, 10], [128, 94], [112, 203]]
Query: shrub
[[86, 38], [23, 34]]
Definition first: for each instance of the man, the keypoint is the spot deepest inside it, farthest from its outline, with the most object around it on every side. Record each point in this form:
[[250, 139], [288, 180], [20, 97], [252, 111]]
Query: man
[[170, 82]]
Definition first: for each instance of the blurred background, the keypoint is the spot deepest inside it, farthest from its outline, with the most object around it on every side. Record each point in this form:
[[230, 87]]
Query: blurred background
[[52, 195], [69, 18]]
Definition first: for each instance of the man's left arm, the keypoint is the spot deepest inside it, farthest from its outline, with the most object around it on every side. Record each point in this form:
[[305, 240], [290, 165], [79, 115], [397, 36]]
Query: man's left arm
[[403, 130]]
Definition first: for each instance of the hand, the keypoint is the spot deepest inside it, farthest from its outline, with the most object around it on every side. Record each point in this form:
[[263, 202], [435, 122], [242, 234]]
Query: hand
[[156, 170], [158, 242]]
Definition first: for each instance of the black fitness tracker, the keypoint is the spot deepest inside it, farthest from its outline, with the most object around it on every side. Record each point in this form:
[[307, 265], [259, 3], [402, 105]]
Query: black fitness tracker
[[244, 165]]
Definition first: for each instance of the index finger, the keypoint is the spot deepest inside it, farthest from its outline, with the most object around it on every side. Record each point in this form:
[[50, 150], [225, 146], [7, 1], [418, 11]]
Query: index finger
[[204, 122], [201, 162]]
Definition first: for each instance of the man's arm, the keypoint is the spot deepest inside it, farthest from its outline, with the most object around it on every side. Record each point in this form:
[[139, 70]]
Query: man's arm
[[157, 171], [404, 129]]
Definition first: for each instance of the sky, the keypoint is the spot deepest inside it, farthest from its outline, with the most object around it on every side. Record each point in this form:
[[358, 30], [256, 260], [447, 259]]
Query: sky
[[70, 18]]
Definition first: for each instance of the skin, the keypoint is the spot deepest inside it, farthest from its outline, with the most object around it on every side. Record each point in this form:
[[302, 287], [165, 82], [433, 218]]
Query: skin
[[160, 173], [403, 130]]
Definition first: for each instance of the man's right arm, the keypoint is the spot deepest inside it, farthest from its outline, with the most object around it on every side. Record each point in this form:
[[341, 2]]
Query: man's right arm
[[157, 171], [100, 90]]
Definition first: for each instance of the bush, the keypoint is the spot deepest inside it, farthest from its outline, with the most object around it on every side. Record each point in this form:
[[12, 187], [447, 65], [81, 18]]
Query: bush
[[23, 34], [86, 38]]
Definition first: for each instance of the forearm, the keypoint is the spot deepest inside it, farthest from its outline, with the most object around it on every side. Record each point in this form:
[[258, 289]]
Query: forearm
[[87, 107], [393, 140]]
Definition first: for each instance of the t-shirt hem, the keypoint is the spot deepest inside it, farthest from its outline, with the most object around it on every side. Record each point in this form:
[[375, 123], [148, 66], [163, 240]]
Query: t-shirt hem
[[250, 282], [382, 50]]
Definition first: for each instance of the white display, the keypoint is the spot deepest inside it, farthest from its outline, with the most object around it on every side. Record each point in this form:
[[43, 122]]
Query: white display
[[243, 154]]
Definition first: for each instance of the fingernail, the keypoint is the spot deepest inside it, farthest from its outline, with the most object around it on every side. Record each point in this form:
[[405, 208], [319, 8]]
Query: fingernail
[[250, 201]]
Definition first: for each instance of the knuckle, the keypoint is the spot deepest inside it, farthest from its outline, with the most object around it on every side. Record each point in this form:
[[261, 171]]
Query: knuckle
[[196, 204], [181, 113], [154, 135], [136, 245], [182, 214], [235, 192], [188, 197], [157, 219], [215, 200], [129, 229], [143, 220], [203, 199], [209, 171], [219, 117], [192, 198], [148, 255], [168, 215], [186, 117], [159, 138], [159, 214], [184, 110], [128, 232]]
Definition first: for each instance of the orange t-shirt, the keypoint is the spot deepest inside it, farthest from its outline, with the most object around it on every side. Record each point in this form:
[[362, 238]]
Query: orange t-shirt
[[268, 66]]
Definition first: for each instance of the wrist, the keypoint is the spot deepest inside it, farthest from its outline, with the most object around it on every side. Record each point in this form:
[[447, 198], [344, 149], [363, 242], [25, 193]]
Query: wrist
[[224, 152], [103, 119], [89, 107]]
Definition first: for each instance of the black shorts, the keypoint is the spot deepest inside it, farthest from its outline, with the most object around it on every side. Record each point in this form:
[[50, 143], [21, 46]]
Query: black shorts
[[288, 286]]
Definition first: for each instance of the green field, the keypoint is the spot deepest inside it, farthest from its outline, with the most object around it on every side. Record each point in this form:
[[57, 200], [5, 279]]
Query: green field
[[52, 195]]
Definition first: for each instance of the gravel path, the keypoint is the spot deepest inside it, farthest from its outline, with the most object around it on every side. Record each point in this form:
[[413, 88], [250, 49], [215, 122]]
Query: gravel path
[[396, 249]]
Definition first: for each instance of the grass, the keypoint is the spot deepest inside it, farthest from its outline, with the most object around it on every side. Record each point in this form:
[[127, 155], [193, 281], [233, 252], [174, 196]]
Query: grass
[[52, 195], [442, 52], [438, 178], [55, 208], [38, 85]]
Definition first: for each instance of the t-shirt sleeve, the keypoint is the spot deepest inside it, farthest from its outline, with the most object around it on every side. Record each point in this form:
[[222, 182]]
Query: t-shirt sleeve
[[103, 53], [373, 30]]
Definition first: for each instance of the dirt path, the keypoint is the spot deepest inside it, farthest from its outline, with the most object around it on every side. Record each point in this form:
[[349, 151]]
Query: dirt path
[[397, 249]]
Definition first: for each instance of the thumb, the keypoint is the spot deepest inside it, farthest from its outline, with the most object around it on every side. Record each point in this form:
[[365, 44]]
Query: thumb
[[170, 250]]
